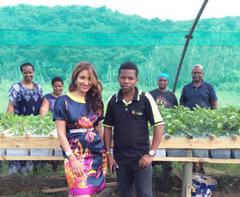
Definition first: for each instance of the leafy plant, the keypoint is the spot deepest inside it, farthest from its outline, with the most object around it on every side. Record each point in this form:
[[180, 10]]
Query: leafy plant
[[200, 121], [178, 121], [20, 125]]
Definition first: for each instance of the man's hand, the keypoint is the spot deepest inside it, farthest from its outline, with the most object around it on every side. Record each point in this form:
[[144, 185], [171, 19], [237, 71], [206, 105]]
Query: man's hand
[[112, 164], [145, 161]]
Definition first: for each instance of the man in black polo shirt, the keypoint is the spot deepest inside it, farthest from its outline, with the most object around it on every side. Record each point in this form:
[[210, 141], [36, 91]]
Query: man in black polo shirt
[[198, 92], [128, 113]]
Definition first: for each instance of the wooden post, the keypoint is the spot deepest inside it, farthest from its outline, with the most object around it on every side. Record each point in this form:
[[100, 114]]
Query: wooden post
[[187, 176]]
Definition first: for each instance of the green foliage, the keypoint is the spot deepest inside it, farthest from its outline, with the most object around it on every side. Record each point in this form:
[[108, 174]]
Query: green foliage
[[56, 38], [178, 121], [20, 125], [200, 121]]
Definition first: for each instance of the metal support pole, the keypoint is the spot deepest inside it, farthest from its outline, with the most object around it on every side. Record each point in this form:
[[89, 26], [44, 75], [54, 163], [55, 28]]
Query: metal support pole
[[188, 37], [187, 176]]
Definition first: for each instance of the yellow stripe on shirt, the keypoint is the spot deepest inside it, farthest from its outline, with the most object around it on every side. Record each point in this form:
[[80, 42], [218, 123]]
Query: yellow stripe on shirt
[[156, 114]]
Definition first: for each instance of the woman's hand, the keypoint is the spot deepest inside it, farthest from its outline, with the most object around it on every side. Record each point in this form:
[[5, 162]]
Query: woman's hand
[[76, 166], [112, 164]]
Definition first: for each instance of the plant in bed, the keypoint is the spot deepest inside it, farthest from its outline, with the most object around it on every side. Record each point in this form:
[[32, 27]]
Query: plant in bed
[[200, 122]]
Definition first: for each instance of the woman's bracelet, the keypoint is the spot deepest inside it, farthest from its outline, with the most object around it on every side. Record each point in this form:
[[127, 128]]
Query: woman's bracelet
[[68, 153]]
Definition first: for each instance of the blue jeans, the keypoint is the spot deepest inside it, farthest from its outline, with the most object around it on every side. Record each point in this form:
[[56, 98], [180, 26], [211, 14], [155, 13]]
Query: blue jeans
[[129, 175]]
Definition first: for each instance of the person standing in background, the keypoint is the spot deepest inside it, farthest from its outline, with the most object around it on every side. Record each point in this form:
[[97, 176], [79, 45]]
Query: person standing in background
[[164, 98], [198, 93], [50, 98], [25, 99], [162, 95], [48, 104]]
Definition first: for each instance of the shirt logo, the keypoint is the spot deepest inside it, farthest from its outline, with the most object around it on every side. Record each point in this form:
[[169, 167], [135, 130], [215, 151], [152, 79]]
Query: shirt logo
[[137, 113]]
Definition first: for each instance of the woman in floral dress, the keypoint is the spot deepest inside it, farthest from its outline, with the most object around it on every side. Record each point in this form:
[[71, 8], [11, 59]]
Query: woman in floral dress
[[25, 99], [78, 116]]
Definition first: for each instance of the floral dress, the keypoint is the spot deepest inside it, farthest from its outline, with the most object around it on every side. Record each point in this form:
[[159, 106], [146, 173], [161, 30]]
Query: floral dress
[[25, 101], [85, 143]]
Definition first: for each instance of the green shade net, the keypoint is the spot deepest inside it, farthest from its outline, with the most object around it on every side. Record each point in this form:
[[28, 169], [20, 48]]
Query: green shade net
[[44, 38], [55, 39]]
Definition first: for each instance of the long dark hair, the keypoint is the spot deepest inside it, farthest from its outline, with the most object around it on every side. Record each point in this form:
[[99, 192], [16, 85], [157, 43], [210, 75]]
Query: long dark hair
[[94, 95]]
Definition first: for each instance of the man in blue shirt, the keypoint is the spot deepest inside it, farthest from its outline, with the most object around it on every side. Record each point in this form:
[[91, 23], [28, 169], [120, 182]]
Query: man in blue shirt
[[198, 92]]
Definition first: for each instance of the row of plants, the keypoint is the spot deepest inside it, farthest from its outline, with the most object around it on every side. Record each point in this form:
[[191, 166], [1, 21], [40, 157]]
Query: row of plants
[[20, 125], [200, 122], [178, 121]]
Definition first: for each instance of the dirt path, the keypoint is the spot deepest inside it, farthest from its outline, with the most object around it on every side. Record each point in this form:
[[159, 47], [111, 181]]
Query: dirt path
[[33, 186]]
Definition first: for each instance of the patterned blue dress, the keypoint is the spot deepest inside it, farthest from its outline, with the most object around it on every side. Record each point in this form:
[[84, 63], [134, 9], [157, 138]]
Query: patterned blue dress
[[25, 102], [85, 143]]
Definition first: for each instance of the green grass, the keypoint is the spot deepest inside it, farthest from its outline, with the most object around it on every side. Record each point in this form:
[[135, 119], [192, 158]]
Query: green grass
[[45, 171]]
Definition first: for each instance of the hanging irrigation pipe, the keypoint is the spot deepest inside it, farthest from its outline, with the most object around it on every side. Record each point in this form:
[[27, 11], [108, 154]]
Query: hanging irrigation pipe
[[188, 37]]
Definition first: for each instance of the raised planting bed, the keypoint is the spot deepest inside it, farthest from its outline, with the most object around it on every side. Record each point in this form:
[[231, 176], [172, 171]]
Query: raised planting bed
[[236, 153], [41, 152], [17, 152], [220, 153]]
